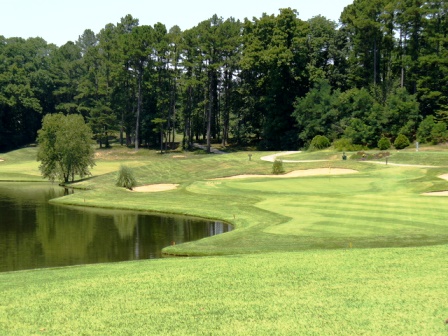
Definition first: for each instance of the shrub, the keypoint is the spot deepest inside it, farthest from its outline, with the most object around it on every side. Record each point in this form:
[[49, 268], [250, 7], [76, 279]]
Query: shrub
[[369, 156], [319, 142], [401, 141], [126, 178], [346, 145], [277, 167], [384, 143]]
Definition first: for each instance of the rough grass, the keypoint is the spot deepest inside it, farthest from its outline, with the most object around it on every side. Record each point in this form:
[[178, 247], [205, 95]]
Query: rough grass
[[324, 279]]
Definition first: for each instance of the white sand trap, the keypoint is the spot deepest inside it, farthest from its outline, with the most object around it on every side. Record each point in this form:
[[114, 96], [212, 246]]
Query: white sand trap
[[438, 193], [178, 156], [1, 160], [155, 187], [298, 173]]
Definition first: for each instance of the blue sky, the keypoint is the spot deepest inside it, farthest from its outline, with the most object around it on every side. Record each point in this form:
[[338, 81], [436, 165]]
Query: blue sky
[[59, 21]]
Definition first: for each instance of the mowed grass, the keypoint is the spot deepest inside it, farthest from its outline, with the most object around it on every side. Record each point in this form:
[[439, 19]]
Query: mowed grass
[[316, 292], [309, 255]]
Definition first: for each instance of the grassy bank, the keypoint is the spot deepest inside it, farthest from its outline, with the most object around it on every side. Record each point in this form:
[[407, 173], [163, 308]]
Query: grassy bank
[[312, 255], [344, 292]]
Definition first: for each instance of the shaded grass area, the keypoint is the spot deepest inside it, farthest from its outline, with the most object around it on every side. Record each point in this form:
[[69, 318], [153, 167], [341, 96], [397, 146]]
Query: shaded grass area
[[344, 292]]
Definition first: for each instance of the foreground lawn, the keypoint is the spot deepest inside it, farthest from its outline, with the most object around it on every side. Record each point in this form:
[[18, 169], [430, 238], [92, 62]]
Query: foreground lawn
[[343, 292]]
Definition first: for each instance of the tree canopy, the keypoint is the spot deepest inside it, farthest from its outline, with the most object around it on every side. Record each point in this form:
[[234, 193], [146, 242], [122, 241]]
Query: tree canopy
[[65, 147], [276, 80]]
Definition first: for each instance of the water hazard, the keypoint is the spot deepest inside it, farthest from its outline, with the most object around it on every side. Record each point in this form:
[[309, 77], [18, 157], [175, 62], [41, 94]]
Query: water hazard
[[36, 234]]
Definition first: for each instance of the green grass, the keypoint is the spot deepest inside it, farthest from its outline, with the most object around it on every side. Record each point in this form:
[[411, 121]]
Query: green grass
[[312, 255], [315, 155], [421, 158], [430, 155], [20, 165], [344, 292]]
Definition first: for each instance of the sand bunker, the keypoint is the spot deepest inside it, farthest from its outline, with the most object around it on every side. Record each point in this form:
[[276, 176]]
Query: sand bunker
[[438, 193], [298, 173], [1, 160], [155, 187], [179, 156]]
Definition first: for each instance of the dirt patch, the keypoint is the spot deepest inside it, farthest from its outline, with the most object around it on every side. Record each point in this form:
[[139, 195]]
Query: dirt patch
[[179, 156], [155, 187], [298, 173], [1, 160]]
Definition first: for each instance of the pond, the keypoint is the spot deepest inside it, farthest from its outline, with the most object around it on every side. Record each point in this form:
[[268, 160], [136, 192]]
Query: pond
[[36, 234]]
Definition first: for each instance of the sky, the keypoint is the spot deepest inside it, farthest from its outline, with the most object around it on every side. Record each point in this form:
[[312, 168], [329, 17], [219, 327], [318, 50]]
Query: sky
[[59, 21]]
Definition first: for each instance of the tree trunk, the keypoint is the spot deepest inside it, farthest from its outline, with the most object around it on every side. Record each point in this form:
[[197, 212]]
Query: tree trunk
[[122, 128], [211, 103], [139, 105], [374, 61]]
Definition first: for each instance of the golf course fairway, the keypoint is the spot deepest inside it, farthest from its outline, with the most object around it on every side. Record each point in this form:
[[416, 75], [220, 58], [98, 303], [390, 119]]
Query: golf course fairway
[[320, 254]]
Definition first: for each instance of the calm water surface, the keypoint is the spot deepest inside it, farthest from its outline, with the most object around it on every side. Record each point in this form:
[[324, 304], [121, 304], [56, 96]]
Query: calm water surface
[[36, 234]]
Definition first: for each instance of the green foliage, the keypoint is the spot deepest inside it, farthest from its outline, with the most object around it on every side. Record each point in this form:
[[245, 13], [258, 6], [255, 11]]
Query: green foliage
[[272, 45], [319, 142], [316, 112], [425, 129], [275, 79], [65, 147], [384, 143], [401, 141], [126, 178], [25, 89], [346, 145], [401, 113], [439, 133], [277, 167]]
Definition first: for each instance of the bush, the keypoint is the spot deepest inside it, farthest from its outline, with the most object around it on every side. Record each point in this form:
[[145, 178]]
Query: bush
[[126, 178], [365, 156], [384, 143], [277, 167], [401, 141], [319, 142], [346, 145]]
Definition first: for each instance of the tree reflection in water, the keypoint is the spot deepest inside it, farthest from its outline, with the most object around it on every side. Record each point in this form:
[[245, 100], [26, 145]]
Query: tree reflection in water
[[34, 233]]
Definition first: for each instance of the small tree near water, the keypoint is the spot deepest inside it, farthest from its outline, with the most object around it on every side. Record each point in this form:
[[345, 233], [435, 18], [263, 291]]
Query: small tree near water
[[126, 178], [65, 147], [277, 167]]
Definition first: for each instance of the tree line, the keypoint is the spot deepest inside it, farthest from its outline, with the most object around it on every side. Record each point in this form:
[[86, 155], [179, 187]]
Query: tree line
[[277, 81]]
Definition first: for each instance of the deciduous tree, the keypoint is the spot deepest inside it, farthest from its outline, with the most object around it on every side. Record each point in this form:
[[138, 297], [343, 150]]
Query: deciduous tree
[[65, 147]]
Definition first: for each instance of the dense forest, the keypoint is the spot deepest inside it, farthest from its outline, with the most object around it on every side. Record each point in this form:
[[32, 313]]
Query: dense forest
[[276, 81]]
